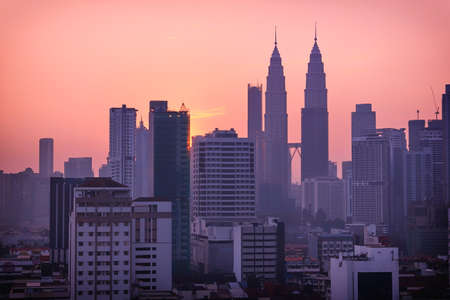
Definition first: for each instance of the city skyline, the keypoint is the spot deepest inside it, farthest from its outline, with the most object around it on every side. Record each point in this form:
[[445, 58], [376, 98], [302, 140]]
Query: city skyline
[[396, 83]]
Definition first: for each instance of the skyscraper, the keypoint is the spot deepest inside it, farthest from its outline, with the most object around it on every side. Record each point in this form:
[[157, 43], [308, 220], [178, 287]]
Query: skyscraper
[[415, 127], [254, 110], [46, 157], [276, 156], [169, 143], [78, 167], [121, 158], [223, 176], [315, 119], [142, 175], [363, 120], [446, 120]]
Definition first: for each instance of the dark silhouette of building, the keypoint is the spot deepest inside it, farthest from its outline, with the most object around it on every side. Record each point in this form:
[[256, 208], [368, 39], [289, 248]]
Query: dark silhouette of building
[[276, 152], [61, 204], [446, 120], [315, 119], [415, 127], [142, 176], [46, 157], [169, 140], [78, 167], [254, 111], [363, 120]]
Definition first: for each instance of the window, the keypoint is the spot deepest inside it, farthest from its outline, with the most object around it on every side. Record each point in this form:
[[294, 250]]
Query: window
[[90, 263], [80, 273], [89, 292], [80, 253], [80, 243], [125, 252], [91, 234], [80, 263], [80, 233], [125, 291], [125, 281], [80, 293]]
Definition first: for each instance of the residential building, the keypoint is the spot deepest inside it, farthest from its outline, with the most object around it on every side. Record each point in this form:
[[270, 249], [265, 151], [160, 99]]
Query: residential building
[[258, 251], [323, 246], [372, 273], [78, 167], [223, 176], [118, 247], [46, 157]]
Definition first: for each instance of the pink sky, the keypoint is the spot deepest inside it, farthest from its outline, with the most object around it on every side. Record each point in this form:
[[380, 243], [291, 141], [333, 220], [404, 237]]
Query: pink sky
[[63, 64]]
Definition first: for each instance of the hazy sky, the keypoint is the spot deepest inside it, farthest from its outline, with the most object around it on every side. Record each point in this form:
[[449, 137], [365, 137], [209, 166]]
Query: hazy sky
[[63, 64]]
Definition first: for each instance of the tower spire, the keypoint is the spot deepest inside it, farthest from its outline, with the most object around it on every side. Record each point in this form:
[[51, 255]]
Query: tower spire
[[315, 32], [276, 36]]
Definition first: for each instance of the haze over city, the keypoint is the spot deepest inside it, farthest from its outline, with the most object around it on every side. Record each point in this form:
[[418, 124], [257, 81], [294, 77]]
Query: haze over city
[[63, 64]]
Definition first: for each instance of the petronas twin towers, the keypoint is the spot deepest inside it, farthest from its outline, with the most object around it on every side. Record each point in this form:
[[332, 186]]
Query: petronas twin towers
[[314, 163]]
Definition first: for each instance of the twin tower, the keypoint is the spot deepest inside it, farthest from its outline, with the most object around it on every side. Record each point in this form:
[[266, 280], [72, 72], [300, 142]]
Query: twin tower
[[273, 170]]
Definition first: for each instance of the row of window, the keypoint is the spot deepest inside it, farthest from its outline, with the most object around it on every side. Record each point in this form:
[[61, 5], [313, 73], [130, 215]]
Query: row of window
[[115, 292], [116, 233], [91, 273]]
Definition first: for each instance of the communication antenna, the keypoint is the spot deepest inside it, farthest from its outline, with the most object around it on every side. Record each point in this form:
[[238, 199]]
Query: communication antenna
[[435, 104], [418, 111]]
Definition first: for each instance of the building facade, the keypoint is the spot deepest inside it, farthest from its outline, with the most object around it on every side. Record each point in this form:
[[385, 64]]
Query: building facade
[[143, 172], [223, 183], [363, 120]]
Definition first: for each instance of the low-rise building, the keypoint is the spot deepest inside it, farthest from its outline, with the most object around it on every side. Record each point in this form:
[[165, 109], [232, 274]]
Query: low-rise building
[[323, 246], [372, 273]]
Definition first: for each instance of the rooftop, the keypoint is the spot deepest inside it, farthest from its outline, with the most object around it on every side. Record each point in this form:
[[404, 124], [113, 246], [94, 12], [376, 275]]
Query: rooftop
[[101, 182]]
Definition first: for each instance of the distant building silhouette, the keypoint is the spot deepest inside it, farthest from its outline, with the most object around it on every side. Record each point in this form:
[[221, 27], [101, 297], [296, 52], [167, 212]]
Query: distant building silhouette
[[276, 152], [169, 148], [419, 175], [46, 157], [78, 167], [104, 171], [315, 119], [143, 172], [347, 179], [332, 169], [363, 120], [122, 143], [254, 111], [223, 176], [415, 127], [446, 120]]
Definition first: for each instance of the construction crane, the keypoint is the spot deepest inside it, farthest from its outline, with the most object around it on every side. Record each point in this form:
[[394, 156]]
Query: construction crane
[[435, 104]]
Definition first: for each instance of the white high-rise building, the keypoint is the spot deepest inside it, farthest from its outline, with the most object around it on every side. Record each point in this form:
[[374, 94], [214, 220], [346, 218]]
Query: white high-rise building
[[117, 247], [122, 144], [372, 273], [223, 176]]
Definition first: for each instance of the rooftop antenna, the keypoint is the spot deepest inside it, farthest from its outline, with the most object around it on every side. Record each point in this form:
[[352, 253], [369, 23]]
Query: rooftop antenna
[[418, 114], [435, 104], [315, 31], [276, 35]]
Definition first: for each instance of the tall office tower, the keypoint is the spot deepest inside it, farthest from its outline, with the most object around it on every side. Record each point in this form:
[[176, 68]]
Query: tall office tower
[[347, 179], [432, 137], [223, 176], [396, 182], [169, 148], [446, 120], [315, 119], [370, 156], [61, 203], [363, 120], [415, 127], [78, 167], [254, 110], [122, 143], [142, 175], [419, 176], [117, 246], [46, 157], [276, 156]]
